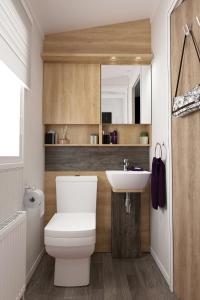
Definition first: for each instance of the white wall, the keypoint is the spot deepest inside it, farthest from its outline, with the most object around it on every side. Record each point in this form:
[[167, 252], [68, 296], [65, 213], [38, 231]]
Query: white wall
[[11, 191], [33, 147], [116, 107], [161, 243], [145, 95], [12, 182]]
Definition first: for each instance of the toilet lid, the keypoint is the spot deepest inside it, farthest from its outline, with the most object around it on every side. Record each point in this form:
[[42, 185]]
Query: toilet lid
[[71, 225]]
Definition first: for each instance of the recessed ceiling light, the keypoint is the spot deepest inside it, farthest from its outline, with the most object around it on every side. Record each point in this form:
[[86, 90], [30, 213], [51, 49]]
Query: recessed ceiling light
[[113, 58], [138, 58]]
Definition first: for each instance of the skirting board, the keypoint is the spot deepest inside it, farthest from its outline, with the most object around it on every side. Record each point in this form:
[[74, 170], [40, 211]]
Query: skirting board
[[34, 266], [160, 265]]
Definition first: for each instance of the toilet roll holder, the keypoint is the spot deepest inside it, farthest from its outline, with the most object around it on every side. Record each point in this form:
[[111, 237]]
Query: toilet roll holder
[[29, 188]]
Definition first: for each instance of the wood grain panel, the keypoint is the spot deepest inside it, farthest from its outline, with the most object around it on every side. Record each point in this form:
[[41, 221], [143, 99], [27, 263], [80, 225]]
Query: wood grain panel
[[103, 59], [145, 219], [110, 279], [85, 97], [94, 158], [103, 230], [55, 108], [125, 41], [126, 238], [71, 93], [186, 163]]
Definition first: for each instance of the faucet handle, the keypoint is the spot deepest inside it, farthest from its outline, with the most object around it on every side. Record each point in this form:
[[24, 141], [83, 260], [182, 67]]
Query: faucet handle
[[126, 163]]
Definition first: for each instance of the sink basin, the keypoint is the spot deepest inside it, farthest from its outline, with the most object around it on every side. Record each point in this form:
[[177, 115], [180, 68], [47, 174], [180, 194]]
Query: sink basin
[[128, 180]]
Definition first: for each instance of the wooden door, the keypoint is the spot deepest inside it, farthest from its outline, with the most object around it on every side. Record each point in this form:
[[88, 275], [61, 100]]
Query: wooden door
[[186, 162], [71, 93]]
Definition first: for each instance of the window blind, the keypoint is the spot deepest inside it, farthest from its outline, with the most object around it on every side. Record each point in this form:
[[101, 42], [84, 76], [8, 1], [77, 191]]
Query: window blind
[[15, 38]]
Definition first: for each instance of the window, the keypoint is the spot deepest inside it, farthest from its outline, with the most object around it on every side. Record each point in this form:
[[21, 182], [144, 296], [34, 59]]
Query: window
[[11, 100]]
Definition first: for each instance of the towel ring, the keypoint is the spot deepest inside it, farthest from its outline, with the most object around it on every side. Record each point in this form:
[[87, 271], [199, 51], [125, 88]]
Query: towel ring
[[158, 145]]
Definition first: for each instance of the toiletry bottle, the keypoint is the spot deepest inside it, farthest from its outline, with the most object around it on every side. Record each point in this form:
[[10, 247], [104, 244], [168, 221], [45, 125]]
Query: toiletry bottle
[[113, 137], [106, 138]]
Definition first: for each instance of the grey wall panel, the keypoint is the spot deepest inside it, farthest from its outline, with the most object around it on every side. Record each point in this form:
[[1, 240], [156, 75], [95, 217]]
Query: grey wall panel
[[94, 158]]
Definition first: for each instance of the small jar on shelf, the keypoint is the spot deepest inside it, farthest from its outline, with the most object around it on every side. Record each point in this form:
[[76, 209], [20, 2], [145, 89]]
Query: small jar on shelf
[[94, 138]]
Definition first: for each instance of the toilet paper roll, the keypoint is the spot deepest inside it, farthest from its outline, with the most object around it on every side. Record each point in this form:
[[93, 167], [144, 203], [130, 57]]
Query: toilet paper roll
[[34, 198]]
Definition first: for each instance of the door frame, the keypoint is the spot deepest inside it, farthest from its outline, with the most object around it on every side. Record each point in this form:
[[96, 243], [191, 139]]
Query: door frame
[[172, 5]]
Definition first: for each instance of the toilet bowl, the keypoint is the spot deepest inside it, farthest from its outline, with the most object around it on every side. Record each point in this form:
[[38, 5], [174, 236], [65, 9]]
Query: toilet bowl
[[70, 235]]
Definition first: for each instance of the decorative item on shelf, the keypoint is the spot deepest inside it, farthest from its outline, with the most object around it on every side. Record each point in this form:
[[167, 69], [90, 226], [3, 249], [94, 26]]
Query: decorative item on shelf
[[106, 138], [113, 137], [50, 137], [94, 139], [63, 136], [107, 117], [144, 138]]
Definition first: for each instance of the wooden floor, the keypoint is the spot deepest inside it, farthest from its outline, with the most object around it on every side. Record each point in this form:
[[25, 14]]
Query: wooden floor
[[111, 279]]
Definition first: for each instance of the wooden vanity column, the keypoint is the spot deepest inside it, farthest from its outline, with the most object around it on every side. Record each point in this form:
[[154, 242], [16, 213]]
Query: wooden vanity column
[[126, 236]]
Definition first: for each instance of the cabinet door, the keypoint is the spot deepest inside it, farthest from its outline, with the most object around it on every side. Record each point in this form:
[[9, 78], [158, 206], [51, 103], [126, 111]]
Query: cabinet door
[[56, 94], [71, 93], [85, 93]]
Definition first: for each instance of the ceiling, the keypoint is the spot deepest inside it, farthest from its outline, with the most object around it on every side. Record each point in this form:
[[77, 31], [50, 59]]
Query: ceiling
[[64, 15], [112, 71], [118, 75]]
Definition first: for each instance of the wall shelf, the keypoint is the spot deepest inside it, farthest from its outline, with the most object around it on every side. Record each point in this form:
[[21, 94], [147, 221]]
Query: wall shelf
[[79, 134], [98, 145]]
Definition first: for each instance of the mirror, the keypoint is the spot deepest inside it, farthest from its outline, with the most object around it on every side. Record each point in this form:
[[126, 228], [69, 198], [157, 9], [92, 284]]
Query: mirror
[[126, 94]]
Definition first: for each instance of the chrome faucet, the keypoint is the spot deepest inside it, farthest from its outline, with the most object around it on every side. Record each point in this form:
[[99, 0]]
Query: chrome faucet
[[126, 163]]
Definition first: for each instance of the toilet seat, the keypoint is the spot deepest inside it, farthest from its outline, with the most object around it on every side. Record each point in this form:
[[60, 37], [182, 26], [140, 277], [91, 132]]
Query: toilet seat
[[71, 225], [69, 242], [71, 230]]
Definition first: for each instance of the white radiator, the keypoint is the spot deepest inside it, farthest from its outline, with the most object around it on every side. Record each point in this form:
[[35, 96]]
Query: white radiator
[[13, 257]]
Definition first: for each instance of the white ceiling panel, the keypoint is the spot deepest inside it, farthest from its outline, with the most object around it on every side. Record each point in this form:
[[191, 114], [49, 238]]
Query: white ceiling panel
[[64, 15]]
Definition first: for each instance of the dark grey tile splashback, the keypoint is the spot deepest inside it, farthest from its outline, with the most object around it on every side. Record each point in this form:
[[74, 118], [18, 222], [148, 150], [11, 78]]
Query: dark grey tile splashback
[[94, 158]]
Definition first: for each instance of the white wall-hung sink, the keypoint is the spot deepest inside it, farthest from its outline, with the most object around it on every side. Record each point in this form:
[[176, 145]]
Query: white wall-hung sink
[[128, 181]]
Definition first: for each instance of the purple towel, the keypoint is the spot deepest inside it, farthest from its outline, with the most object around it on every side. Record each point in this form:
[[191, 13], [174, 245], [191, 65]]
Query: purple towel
[[158, 183]]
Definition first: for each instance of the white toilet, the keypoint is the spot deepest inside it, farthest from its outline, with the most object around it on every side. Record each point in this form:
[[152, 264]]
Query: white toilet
[[70, 235]]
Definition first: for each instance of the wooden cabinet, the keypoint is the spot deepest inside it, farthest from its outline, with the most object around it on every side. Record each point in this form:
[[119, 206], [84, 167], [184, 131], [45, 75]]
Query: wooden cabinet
[[72, 100], [71, 93]]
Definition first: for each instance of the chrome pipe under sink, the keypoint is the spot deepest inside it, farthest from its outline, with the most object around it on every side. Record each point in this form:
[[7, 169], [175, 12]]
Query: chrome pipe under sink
[[128, 203]]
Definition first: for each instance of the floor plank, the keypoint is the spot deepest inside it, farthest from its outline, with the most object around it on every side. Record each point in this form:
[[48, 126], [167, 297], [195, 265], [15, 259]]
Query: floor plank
[[111, 279]]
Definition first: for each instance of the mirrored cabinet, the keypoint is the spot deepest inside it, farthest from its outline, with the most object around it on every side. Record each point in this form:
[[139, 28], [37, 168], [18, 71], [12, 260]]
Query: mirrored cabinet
[[126, 94], [108, 104]]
